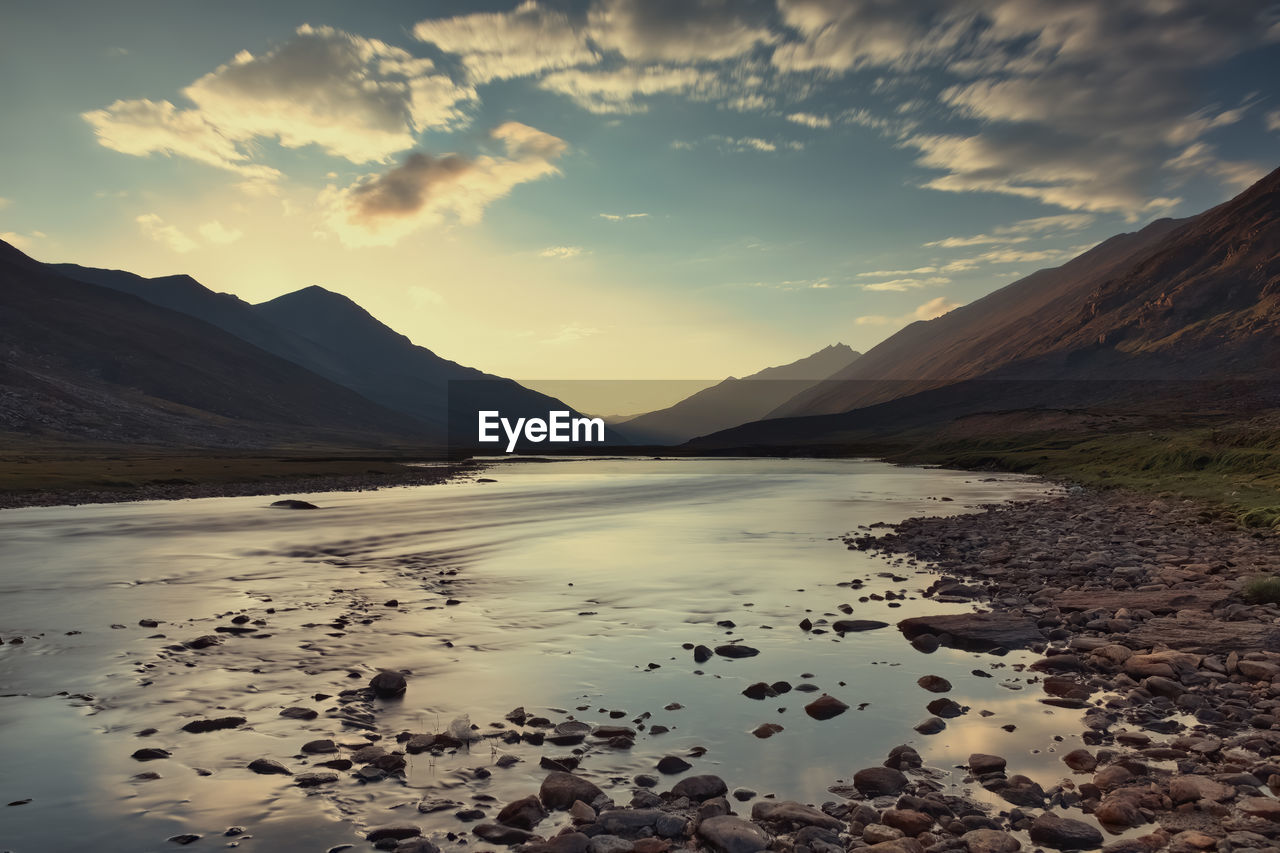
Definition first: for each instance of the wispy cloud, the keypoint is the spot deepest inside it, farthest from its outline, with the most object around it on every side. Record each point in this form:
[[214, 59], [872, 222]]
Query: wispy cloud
[[927, 311], [425, 189], [216, 232], [571, 333], [622, 217], [901, 285], [562, 252], [22, 242], [1018, 232], [169, 235], [810, 120]]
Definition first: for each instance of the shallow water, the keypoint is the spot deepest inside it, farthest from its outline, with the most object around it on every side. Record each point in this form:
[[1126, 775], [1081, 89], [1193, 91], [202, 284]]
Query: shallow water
[[577, 582]]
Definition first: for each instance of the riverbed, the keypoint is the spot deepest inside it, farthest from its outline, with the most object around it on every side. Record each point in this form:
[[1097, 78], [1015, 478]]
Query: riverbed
[[574, 589]]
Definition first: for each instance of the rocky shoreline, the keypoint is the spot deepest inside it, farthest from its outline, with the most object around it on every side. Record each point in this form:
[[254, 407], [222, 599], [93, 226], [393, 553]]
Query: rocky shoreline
[[279, 486], [1135, 606]]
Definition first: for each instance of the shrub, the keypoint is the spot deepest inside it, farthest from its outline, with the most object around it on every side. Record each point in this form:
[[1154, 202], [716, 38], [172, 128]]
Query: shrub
[[1264, 589]]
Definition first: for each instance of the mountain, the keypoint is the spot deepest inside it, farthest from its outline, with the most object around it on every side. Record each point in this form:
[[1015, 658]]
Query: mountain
[[735, 401], [333, 336], [968, 341], [1163, 318], [87, 362]]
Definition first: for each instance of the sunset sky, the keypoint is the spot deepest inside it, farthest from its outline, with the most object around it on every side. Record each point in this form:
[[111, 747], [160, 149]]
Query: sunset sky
[[624, 188]]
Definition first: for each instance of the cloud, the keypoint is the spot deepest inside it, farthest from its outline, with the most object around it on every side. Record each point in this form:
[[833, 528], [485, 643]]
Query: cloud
[[622, 217], [1078, 100], [421, 296], [145, 127], [216, 232], [810, 119], [528, 40], [1199, 157], [1018, 232], [561, 252], [1008, 256], [684, 31], [1077, 174], [616, 91], [356, 98], [425, 189], [902, 285], [5, 202], [738, 144], [883, 273], [170, 235], [570, 334], [1273, 120], [21, 242], [927, 311]]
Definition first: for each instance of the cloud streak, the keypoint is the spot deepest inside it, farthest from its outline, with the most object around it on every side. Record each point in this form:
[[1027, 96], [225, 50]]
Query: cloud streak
[[426, 190]]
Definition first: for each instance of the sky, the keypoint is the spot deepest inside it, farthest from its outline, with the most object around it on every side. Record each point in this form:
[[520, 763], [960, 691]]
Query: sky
[[625, 189]]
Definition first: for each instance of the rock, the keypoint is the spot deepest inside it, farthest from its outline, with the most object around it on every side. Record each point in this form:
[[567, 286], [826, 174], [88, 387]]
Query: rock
[[292, 503], [319, 747], [734, 650], [982, 764], [559, 790], [1062, 833], [1081, 760], [931, 726], [202, 726], [878, 833], [1263, 807], [1167, 664], [759, 690], [1258, 670], [312, 780], [416, 845], [879, 781], [524, 814], [496, 833], [1189, 789], [977, 631], [388, 684], [580, 812], [671, 826], [151, 753], [699, 788], [766, 730], [910, 822], [609, 844], [299, 713], [701, 654], [853, 626], [946, 708], [398, 831], [269, 766], [203, 642], [990, 841], [1120, 809], [729, 834], [934, 683], [825, 707], [793, 815], [1111, 776], [672, 764], [627, 821]]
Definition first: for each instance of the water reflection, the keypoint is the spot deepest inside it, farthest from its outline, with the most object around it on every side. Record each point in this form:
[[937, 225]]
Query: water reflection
[[576, 586]]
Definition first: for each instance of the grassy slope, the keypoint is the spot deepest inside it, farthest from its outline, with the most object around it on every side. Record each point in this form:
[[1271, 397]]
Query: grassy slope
[[1236, 467]]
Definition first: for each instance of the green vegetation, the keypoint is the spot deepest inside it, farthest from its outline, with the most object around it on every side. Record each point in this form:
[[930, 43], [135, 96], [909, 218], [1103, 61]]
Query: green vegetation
[[1237, 468], [1264, 589]]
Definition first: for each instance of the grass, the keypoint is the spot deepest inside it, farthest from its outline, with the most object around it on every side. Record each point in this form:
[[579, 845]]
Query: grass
[[32, 467], [1264, 589], [1237, 468]]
